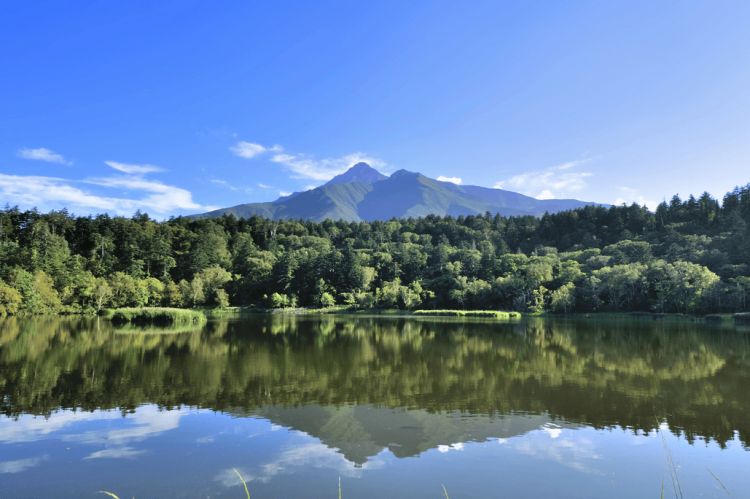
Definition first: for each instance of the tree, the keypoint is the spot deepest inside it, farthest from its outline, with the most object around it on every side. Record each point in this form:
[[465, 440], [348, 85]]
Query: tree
[[681, 286], [563, 299], [622, 286], [102, 293], [221, 299], [127, 291], [37, 292], [213, 279], [193, 292], [209, 248], [10, 300]]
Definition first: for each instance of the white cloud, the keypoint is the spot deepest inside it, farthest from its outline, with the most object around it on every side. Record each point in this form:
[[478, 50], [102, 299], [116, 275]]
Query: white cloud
[[545, 194], [225, 184], [248, 150], [447, 448], [146, 422], [43, 154], [29, 428], [116, 453], [322, 169], [20, 465], [284, 194], [559, 181], [629, 195], [49, 192], [264, 186], [576, 452], [552, 430], [163, 199], [303, 165], [452, 180], [304, 455], [133, 169], [53, 193]]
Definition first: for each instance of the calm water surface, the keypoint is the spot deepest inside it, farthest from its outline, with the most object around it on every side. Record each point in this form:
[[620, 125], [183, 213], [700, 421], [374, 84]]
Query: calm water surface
[[393, 407]]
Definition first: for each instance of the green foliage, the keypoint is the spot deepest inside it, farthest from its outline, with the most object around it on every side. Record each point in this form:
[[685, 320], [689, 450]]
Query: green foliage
[[10, 300], [496, 314], [37, 292], [127, 291], [689, 256], [221, 299], [280, 300], [157, 316], [563, 299]]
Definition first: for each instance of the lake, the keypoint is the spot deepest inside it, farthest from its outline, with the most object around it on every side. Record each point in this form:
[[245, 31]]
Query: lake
[[391, 407]]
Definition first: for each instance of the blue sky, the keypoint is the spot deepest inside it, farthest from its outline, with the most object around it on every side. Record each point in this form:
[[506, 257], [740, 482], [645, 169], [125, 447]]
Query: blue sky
[[177, 107]]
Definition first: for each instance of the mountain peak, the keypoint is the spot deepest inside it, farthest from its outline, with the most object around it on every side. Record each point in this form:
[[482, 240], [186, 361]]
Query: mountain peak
[[363, 193], [361, 172]]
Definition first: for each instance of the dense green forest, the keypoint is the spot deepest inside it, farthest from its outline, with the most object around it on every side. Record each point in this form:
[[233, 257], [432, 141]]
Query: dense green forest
[[689, 256]]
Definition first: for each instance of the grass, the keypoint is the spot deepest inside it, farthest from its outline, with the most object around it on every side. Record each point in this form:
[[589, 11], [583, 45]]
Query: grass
[[157, 316], [495, 314], [247, 491]]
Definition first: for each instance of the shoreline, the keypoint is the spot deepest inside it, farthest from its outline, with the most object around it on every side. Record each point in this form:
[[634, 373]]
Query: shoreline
[[738, 319]]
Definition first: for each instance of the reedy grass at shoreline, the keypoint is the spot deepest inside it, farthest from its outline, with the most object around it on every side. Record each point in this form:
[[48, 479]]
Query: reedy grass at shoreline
[[157, 316], [161, 316], [495, 314]]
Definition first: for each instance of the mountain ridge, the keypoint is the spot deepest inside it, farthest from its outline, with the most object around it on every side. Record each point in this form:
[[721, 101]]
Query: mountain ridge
[[362, 193]]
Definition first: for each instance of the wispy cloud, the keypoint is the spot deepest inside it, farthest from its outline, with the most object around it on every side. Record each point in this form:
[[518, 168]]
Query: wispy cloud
[[304, 165], [249, 150], [447, 448], [43, 154], [553, 444], [452, 180], [224, 184], [265, 186], [629, 195], [149, 195], [133, 169], [284, 194], [116, 453], [559, 181], [29, 428], [19, 465], [303, 455], [323, 169]]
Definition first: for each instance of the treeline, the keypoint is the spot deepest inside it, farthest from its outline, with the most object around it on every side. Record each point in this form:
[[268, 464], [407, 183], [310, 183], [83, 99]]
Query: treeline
[[689, 256]]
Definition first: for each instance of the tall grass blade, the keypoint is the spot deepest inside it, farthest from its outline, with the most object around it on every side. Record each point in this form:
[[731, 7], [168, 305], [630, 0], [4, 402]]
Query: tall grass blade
[[340, 496], [676, 487], [110, 494], [244, 484], [445, 491], [719, 482]]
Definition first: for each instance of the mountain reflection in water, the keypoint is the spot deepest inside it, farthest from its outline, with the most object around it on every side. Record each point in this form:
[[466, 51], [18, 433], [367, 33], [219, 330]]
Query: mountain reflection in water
[[350, 393]]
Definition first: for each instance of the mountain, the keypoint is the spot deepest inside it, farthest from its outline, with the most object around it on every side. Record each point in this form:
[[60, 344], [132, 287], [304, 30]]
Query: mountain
[[361, 172], [363, 193]]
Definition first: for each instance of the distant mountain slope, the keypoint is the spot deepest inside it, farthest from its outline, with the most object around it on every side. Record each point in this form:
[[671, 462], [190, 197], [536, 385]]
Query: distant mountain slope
[[363, 193]]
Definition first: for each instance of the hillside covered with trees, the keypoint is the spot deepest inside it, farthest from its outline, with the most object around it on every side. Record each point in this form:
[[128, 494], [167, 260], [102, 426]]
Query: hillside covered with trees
[[690, 256]]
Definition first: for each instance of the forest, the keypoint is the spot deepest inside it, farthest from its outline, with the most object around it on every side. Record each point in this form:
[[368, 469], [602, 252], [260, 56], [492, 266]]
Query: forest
[[688, 256]]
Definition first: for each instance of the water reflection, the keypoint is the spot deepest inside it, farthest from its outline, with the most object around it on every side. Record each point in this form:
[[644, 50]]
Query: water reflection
[[343, 396]]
